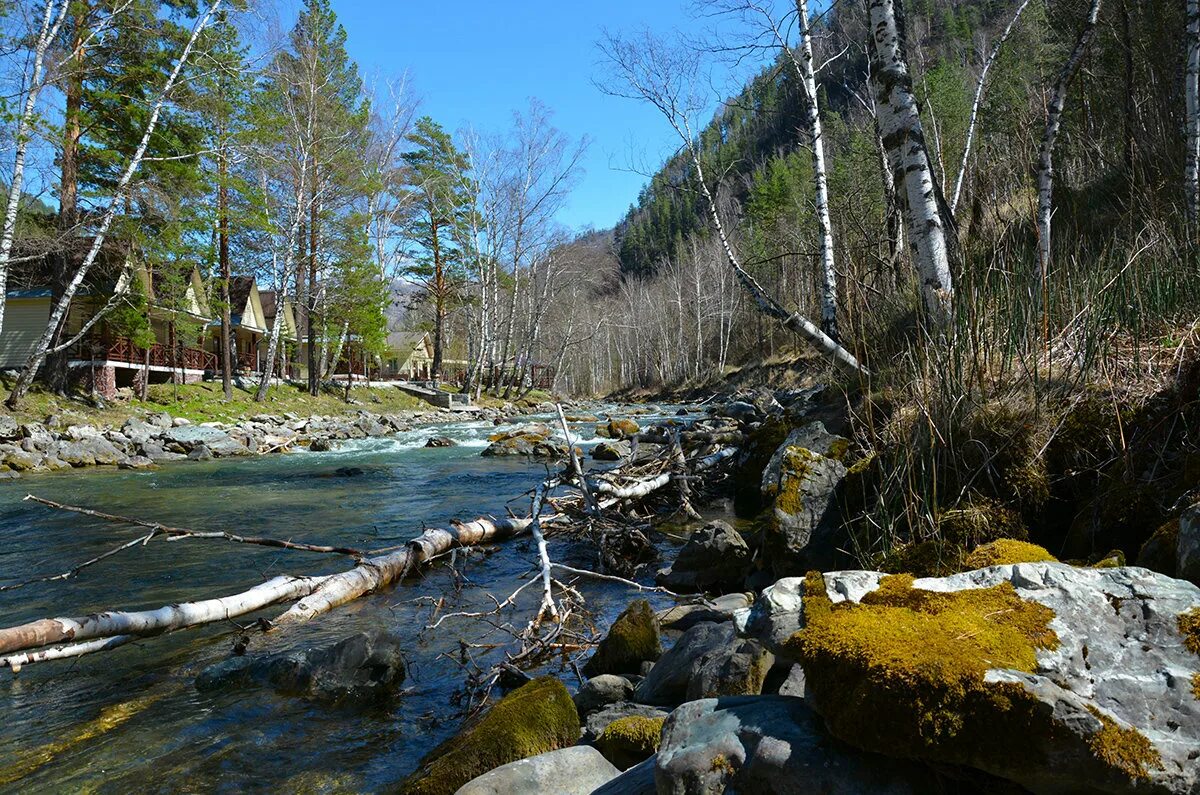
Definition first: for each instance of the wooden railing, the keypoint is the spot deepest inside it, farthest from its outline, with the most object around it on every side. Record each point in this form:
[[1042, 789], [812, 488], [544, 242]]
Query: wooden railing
[[248, 361], [122, 349]]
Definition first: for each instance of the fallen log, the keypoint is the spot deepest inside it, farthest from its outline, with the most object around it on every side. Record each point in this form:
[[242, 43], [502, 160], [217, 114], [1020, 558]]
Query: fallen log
[[46, 631]]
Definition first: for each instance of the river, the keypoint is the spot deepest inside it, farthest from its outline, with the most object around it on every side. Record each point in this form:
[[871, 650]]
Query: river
[[131, 720]]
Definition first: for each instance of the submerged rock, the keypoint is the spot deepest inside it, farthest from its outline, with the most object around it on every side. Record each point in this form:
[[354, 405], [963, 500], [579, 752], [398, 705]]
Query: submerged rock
[[362, 667], [768, 744], [1058, 678], [440, 441], [633, 639], [578, 770], [533, 719]]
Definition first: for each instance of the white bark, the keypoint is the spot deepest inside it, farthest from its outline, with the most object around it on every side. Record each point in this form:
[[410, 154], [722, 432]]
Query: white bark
[[1192, 109], [44, 343], [979, 87], [900, 126], [1045, 171], [51, 22], [143, 623]]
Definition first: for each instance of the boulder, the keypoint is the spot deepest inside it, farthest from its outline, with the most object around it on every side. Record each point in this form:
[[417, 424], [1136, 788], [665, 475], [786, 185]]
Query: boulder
[[627, 741], [637, 780], [361, 668], [801, 532], [440, 441], [736, 670], [667, 682], [1057, 678], [722, 608], [320, 444], [634, 638], [90, 451], [36, 436], [136, 462], [614, 450], [533, 719], [739, 410], [768, 744], [78, 433], [18, 459], [600, 691], [713, 556], [618, 428], [812, 437], [1187, 545], [9, 429], [200, 453], [595, 723], [191, 436], [578, 770]]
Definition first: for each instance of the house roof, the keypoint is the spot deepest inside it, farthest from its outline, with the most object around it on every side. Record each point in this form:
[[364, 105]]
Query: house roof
[[407, 341], [267, 298], [239, 292]]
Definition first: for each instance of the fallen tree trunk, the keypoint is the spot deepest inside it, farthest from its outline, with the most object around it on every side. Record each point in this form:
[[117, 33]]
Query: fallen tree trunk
[[154, 622]]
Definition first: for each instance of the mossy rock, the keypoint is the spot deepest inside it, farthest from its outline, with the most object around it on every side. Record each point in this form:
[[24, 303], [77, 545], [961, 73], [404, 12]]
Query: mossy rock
[[979, 521], [761, 444], [633, 639], [1006, 551], [932, 558], [1159, 553], [627, 741], [533, 719], [999, 440], [618, 428]]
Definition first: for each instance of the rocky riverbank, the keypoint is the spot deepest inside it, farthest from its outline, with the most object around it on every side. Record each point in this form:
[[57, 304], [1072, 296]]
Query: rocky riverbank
[[1005, 670], [66, 440]]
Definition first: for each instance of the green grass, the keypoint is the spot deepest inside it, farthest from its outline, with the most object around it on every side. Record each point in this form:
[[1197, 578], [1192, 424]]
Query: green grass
[[204, 402]]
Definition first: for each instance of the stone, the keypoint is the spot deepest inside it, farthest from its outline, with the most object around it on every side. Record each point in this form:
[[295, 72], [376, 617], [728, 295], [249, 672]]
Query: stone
[[1055, 677], [160, 420], [36, 435], [800, 535], [637, 780], [440, 441], [578, 770], [188, 436], [596, 722], [78, 433], [777, 614], [614, 450], [633, 638], [200, 453], [739, 410], [361, 668], [1187, 545], [136, 462], [713, 556], [179, 422], [600, 691], [18, 459], [320, 445], [667, 682], [618, 428], [630, 740], [736, 670], [9, 429], [88, 452], [769, 744], [812, 437], [533, 719], [722, 608]]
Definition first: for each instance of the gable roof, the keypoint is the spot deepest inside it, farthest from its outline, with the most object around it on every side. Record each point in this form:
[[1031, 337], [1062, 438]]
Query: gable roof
[[405, 343]]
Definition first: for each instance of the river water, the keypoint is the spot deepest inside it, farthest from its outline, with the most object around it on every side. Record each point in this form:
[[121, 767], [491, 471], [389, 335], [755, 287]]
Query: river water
[[130, 720]]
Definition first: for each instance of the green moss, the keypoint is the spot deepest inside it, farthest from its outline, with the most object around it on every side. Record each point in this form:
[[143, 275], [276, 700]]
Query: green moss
[[533, 719], [797, 463], [1113, 560], [1125, 749], [838, 448], [1006, 551], [761, 444], [627, 741], [633, 639], [1189, 627], [1196, 686], [934, 558], [979, 521], [1159, 551]]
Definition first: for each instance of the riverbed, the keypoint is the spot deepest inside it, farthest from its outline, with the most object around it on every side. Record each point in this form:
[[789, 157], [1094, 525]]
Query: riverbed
[[131, 719]]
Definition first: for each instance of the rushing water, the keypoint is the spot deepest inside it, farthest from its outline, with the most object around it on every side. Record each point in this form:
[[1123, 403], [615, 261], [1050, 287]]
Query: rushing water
[[130, 720]]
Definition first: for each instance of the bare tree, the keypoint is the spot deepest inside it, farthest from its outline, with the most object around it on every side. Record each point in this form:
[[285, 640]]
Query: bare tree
[[1192, 110]]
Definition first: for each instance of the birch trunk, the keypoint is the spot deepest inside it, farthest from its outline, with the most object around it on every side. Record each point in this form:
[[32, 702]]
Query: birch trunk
[[1192, 109], [1045, 170], [51, 22], [25, 380], [978, 100], [900, 126]]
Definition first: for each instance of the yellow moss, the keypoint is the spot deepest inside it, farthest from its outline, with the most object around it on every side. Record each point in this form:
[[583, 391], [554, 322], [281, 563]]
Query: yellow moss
[[1196, 686], [533, 719], [720, 762], [1113, 560], [1005, 551], [863, 464], [633, 639], [904, 669], [797, 462], [627, 741], [838, 448], [1125, 749], [1189, 627]]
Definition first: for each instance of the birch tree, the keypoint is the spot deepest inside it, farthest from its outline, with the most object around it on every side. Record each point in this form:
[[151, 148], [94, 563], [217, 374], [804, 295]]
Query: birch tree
[[646, 70], [1192, 116], [44, 345], [900, 127], [1045, 166]]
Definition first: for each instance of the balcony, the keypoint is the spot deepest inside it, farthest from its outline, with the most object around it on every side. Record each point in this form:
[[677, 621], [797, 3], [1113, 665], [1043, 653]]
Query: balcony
[[121, 349]]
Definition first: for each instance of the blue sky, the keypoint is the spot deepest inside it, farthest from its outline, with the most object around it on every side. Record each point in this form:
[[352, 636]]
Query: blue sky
[[474, 62]]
